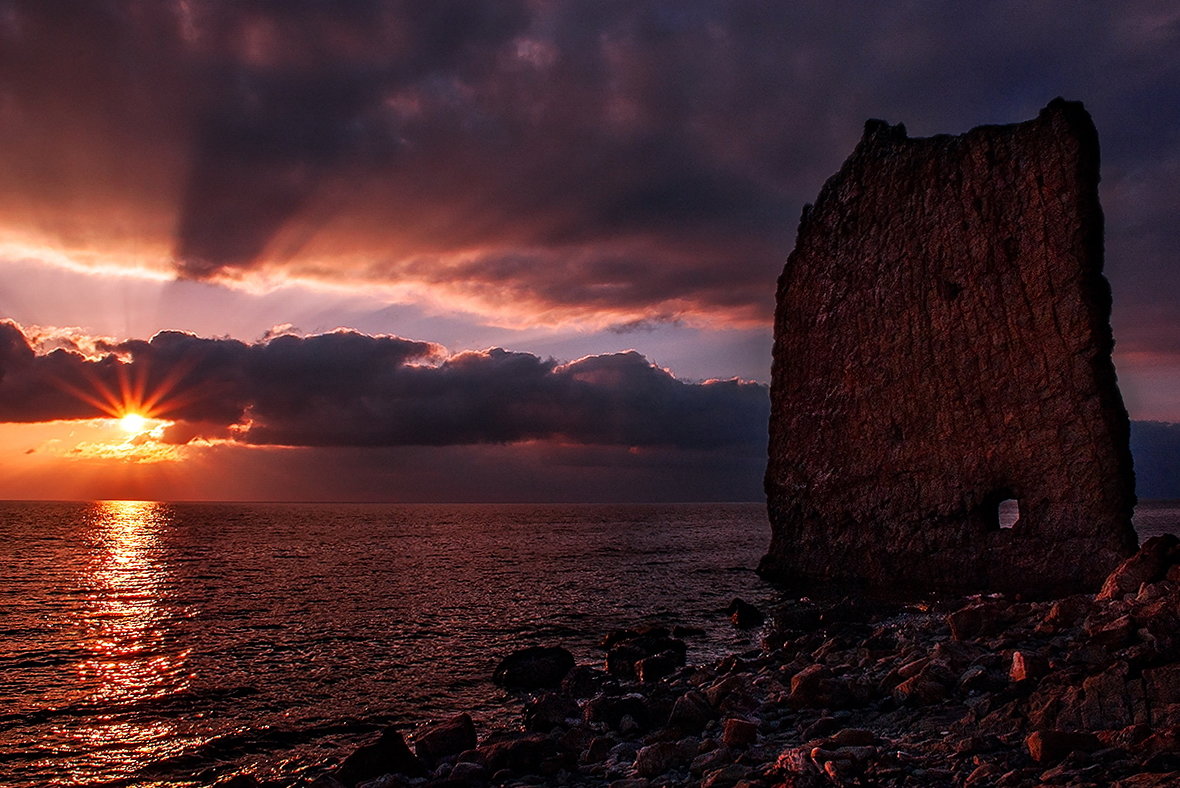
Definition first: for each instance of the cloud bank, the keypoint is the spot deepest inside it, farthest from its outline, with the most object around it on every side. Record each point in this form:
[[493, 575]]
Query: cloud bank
[[541, 160], [350, 389]]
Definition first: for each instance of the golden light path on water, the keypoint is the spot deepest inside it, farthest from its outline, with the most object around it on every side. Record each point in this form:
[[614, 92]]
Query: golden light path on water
[[126, 631]]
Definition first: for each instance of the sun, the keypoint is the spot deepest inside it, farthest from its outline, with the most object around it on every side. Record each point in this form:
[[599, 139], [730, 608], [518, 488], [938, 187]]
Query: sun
[[133, 423]]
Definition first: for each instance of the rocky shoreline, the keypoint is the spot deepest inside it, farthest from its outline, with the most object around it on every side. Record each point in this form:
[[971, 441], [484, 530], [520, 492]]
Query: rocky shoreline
[[976, 691]]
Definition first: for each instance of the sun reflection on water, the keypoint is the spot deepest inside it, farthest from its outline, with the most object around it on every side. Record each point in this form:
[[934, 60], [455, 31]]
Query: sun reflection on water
[[128, 632]]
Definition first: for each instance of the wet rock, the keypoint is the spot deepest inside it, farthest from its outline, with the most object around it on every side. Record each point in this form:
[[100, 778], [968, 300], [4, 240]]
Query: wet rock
[[851, 737], [468, 773], [978, 620], [1052, 746], [1162, 689], [691, 712], [550, 710], [726, 777], [436, 742], [582, 682], [616, 636], [655, 759], [919, 691], [388, 755], [597, 750], [1150, 780], [738, 733], [623, 658], [613, 712], [630, 782], [1068, 612], [536, 667], [817, 687], [744, 615], [524, 755], [1113, 634], [658, 666], [385, 781]]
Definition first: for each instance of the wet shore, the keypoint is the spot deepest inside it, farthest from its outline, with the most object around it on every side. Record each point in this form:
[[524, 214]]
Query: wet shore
[[973, 691]]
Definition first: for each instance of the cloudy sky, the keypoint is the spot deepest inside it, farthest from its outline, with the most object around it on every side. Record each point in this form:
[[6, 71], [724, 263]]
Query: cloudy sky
[[488, 251]]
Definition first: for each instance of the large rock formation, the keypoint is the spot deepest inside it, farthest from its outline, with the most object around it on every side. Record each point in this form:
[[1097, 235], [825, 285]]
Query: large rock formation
[[942, 344]]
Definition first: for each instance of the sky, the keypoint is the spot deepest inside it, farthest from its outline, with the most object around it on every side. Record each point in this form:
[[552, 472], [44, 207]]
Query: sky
[[491, 251]]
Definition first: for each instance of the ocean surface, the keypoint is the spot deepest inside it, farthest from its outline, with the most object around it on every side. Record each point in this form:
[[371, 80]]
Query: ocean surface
[[157, 644]]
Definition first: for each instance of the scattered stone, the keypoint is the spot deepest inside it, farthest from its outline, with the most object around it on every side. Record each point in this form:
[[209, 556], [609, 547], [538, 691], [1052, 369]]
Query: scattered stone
[[978, 620], [631, 782], [738, 733], [1079, 691], [655, 759], [1052, 746], [524, 755], [625, 655], [691, 712], [726, 777], [1027, 666], [658, 666], [614, 711], [536, 667], [550, 710]]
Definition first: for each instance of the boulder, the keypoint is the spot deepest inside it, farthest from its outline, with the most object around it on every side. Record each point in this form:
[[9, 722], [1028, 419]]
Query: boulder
[[656, 759], [744, 615], [536, 667], [1149, 564], [738, 733], [550, 710], [389, 754], [691, 712], [436, 742], [942, 344], [523, 755], [613, 711]]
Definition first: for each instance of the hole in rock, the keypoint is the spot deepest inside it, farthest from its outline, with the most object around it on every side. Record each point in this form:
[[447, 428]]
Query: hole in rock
[[1008, 512]]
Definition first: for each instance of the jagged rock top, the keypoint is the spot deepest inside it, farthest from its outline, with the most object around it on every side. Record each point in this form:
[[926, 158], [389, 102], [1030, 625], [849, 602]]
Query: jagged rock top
[[942, 344]]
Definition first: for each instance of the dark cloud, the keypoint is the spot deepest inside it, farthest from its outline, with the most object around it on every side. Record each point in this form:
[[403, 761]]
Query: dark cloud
[[350, 389], [629, 160]]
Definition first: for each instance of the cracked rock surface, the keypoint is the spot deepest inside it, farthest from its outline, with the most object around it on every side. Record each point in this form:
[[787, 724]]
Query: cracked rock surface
[[942, 344]]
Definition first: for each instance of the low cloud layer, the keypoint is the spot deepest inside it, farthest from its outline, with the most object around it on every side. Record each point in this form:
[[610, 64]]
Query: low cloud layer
[[351, 389], [542, 161]]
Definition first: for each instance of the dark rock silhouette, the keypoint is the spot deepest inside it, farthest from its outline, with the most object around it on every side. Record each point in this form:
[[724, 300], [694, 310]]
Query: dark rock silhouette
[[535, 667], [388, 755], [942, 344]]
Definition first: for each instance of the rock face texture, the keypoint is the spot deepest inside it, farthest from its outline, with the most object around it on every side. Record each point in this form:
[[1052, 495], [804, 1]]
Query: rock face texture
[[942, 344]]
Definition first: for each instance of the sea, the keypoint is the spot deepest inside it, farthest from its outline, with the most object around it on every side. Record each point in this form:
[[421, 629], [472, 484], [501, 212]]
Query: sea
[[172, 644]]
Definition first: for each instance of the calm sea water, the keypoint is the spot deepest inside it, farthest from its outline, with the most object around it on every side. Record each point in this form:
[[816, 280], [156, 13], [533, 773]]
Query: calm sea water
[[167, 644]]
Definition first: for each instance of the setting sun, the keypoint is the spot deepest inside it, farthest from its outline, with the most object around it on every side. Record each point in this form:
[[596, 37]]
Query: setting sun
[[133, 423]]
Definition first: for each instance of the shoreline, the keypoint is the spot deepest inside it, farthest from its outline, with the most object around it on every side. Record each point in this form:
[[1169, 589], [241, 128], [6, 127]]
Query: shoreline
[[983, 690]]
